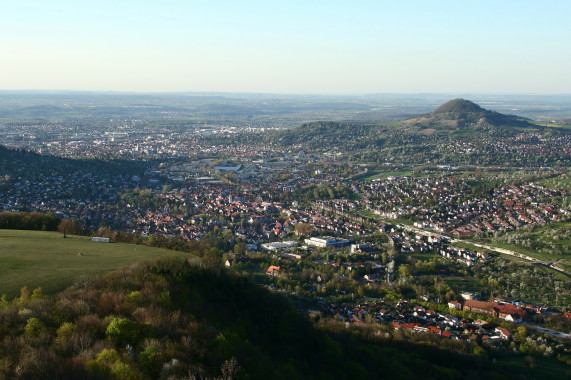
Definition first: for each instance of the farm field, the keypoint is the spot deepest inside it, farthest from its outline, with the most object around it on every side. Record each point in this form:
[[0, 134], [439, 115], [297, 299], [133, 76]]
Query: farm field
[[48, 260]]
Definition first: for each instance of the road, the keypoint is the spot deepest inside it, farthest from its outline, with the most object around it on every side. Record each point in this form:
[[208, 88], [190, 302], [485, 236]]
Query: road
[[557, 334], [550, 264]]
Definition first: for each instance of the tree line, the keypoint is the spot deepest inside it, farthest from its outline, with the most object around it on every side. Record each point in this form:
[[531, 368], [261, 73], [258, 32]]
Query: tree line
[[29, 221]]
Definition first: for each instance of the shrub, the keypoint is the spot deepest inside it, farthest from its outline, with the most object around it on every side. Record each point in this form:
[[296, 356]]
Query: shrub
[[122, 330], [33, 327], [122, 370], [63, 336], [151, 360], [107, 356], [135, 297]]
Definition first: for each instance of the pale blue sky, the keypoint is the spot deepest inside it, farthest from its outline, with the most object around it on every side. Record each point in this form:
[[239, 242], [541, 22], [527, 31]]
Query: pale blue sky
[[322, 47]]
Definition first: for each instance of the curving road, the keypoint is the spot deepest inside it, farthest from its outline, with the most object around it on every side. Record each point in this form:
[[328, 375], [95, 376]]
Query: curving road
[[550, 264]]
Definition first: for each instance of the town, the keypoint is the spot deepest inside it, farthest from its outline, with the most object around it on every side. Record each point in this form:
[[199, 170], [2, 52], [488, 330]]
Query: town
[[285, 190], [413, 250]]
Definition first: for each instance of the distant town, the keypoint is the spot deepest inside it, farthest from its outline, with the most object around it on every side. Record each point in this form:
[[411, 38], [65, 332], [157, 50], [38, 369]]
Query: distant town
[[414, 248]]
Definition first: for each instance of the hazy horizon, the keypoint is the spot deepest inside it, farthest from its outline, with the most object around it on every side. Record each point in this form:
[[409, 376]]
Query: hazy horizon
[[287, 48]]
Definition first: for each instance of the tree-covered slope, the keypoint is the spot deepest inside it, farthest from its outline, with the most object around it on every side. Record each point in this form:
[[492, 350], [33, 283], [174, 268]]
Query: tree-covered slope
[[168, 319], [457, 133], [28, 165], [466, 114]]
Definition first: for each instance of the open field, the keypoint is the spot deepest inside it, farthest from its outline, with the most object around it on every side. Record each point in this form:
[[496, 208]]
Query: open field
[[460, 283], [46, 259]]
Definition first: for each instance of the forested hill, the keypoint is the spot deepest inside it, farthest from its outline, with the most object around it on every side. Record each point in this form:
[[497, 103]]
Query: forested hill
[[327, 134], [25, 163], [168, 319], [458, 132], [456, 118], [30, 163], [464, 114]]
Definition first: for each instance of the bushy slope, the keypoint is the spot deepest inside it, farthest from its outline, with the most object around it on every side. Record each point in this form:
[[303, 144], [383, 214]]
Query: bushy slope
[[168, 319]]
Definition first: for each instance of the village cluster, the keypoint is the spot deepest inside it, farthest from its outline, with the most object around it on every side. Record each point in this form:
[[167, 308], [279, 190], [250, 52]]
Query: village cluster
[[402, 315], [285, 208], [447, 206]]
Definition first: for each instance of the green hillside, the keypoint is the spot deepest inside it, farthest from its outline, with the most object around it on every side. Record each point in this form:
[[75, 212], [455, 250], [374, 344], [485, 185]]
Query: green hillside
[[166, 319], [461, 113], [45, 259], [458, 132]]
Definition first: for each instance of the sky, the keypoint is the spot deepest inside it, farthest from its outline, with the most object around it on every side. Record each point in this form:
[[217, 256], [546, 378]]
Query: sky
[[290, 47]]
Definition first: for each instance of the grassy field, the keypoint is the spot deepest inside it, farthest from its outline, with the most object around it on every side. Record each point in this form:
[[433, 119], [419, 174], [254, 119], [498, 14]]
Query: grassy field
[[461, 283], [46, 259]]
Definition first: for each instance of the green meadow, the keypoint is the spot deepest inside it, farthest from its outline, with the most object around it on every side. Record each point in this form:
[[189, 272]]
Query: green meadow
[[48, 260]]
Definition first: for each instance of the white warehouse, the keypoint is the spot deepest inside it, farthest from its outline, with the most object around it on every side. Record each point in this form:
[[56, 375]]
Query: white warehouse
[[326, 241]]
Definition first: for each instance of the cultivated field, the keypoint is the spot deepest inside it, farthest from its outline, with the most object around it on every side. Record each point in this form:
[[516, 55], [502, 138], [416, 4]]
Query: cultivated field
[[46, 259]]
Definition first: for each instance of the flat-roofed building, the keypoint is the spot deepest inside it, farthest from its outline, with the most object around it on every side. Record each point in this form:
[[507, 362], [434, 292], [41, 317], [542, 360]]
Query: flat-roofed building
[[326, 241], [279, 245]]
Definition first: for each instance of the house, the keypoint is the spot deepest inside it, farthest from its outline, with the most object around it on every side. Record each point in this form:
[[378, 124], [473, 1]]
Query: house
[[538, 309], [513, 318], [372, 278], [468, 295], [273, 271], [506, 310], [504, 333], [480, 307], [455, 305], [435, 330]]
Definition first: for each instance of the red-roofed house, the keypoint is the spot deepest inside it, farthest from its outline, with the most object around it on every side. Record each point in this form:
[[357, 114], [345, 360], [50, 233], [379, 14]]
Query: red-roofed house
[[509, 312], [504, 333], [273, 270], [481, 307]]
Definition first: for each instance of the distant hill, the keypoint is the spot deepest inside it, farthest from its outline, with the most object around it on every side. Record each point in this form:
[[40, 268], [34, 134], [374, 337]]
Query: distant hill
[[461, 113], [325, 134], [457, 117], [429, 138], [26, 165]]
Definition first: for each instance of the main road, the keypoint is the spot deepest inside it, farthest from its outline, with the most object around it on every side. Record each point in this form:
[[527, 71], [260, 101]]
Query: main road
[[550, 264]]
